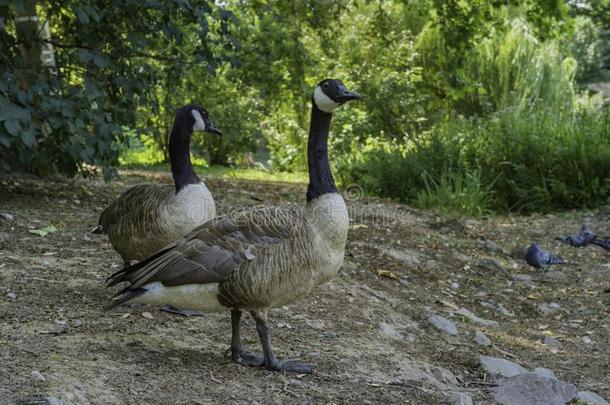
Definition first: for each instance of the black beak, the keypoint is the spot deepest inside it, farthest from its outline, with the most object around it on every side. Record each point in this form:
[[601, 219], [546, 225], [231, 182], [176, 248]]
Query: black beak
[[345, 95], [212, 129]]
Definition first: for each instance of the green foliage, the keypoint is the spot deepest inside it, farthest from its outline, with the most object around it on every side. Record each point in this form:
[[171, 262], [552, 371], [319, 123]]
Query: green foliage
[[469, 105], [455, 193], [63, 116], [588, 47], [531, 142]]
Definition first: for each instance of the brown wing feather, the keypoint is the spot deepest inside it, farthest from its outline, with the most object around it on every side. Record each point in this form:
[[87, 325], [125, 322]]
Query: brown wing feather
[[133, 211], [215, 249]]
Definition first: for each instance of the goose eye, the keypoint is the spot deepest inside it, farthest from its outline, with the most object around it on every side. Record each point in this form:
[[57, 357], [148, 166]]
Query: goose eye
[[325, 85]]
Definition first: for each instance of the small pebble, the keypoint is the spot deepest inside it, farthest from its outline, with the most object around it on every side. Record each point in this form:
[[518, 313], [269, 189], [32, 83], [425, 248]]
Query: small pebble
[[11, 296], [481, 339], [147, 315], [587, 340], [551, 341], [37, 375], [455, 286], [7, 216], [330, 334]]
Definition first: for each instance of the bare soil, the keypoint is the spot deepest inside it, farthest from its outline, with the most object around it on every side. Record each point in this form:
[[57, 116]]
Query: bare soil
[[367, 330]]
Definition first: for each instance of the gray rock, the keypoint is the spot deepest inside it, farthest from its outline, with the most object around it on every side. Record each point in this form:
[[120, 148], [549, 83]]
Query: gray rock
[[11, 296], [544, 372], [481, 339], [547, 309], [472, 317], [497, 367], [532, 389], [591, 398], [330, 334], [490, 246], [388, 330], [409, 370], [8, 217], [409, 257], [489, 264], [459, 398], [37, 375], [53, 401], [522, 277], [443, 324], [551, 341], [499, 308], [454, 285]]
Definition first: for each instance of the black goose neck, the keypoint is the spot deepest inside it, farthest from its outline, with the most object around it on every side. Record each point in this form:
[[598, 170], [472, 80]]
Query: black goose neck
[[320, 177], [180, 155]]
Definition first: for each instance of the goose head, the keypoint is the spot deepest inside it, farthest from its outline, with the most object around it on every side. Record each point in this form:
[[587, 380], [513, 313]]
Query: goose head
[[197, 118], [331, 94]]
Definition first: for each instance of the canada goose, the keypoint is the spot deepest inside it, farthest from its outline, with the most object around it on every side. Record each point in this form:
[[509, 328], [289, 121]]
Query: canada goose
[[258, 259], [148, 217]]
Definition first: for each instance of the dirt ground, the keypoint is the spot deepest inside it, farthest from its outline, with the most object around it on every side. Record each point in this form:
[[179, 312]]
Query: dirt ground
[[367, 330]]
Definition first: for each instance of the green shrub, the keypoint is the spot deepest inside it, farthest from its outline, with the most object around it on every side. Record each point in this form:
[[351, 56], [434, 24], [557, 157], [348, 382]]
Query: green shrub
[[455, 193]]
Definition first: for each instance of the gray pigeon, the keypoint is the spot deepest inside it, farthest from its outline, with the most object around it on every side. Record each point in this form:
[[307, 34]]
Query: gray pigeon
[[603, 243], [541, 259], [582, 238]]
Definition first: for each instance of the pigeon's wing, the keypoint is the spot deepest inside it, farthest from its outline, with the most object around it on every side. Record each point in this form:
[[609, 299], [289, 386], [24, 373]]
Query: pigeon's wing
[[544, 257]]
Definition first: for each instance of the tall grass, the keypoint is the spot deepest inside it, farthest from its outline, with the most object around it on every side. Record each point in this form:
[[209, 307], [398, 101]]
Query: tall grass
[[535, 143]]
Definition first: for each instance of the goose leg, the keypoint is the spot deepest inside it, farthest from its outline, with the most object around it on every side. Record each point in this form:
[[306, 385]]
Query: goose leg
[[237, 350], [271, 362]]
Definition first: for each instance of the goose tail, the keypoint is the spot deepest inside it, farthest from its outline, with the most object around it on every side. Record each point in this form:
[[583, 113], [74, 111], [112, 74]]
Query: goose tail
[[123, 296]]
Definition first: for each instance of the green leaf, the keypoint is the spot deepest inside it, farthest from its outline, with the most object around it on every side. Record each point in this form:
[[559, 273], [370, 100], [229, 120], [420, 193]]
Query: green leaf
[[22, 97], [28, 136], [44, 231], [83, 17], [10, 111], [5, 140], [101, 60], [12, 127], [84, 56]]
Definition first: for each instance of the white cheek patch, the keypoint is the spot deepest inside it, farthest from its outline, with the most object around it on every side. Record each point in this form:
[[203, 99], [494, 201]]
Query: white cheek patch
[[199, 124], [324, 102]]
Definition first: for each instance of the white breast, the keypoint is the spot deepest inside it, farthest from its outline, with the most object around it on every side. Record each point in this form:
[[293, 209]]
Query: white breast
[[196, 297], [329, 215], [190, 207]]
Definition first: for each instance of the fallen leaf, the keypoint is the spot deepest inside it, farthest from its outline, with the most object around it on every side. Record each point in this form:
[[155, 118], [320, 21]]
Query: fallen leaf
[[44, 231], [387, 273]]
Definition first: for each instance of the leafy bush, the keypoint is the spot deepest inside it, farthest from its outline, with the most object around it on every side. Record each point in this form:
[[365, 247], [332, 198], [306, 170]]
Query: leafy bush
[[103, 62], [531, 143], [588, 46]]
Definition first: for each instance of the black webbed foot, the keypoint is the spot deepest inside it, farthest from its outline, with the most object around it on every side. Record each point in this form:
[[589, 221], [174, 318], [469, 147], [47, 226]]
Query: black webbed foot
[[247, 359], [292, 366]]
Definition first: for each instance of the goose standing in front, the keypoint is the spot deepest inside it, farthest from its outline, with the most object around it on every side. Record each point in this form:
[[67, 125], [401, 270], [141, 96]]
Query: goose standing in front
[[258, 259], [148, 217]]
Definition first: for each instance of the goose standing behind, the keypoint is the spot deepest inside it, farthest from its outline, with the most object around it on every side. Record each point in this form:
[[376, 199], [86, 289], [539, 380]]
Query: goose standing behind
[[148, 217], [259, 259]]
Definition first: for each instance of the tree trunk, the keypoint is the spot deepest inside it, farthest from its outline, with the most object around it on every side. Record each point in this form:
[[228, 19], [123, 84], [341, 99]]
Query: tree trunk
[[26, 22]]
